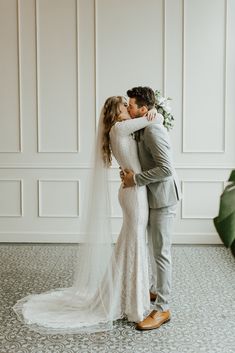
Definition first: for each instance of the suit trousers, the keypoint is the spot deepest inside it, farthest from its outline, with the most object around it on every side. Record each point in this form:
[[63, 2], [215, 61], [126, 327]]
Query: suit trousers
[[160, 229]]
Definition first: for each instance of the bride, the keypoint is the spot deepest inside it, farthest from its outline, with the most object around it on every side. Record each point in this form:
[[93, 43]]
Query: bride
[[109, 282]]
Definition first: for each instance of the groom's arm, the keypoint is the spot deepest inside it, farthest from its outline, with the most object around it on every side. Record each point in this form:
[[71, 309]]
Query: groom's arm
[[157, 142]]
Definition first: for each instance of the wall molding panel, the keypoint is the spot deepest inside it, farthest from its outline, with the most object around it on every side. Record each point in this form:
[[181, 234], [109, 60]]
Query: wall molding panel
[[224, 83], [76, 195], [13, 199], [95, 5], [18, 84], [107, 11], [40, 81], [199, 215]]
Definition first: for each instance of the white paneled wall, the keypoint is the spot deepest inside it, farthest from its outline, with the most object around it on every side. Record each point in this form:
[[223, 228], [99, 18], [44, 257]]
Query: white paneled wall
[[10, 107], [204, 75], [57, 75], [59, 61]]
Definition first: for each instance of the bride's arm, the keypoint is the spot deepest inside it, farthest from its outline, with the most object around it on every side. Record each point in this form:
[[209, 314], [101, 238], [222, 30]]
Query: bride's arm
[[126, 127]]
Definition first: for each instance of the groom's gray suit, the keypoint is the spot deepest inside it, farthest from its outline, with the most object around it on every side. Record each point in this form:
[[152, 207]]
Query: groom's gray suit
[[159, 175]]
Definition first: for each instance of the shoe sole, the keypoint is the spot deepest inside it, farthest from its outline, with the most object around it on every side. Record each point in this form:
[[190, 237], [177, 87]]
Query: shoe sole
[[152, 328]]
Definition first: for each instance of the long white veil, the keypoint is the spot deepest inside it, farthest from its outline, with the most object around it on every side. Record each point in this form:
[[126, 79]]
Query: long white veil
[[88, 304]]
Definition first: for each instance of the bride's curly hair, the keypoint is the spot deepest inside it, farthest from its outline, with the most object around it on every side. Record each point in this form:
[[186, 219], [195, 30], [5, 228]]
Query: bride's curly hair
[[111, 114]]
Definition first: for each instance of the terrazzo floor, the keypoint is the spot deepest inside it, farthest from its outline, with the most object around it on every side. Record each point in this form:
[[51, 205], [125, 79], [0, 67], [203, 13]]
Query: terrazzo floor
[[203, 303]]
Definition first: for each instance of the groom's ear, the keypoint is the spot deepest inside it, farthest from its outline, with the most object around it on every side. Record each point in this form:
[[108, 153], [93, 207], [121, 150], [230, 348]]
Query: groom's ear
[[144, 110]]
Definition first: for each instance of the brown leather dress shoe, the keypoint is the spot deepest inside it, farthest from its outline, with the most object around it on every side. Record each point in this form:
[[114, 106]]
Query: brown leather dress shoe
[[153, 296], [154, 320]]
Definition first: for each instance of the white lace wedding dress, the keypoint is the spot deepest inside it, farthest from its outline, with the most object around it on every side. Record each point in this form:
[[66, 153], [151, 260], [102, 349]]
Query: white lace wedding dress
[[58, 310]]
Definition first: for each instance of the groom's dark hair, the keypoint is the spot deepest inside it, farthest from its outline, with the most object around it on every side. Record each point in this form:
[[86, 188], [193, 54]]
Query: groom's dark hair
[[143, 96]]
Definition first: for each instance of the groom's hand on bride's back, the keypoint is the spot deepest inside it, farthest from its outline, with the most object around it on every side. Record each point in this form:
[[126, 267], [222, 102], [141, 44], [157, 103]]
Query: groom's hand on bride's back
[[128, 178]]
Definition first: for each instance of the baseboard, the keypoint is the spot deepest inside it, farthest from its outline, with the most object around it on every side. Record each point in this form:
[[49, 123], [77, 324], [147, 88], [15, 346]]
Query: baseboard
[[196, 238], [46, 237]]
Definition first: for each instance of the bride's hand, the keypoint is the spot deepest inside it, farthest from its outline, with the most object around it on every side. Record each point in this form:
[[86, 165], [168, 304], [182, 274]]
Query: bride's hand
[[152, 114]]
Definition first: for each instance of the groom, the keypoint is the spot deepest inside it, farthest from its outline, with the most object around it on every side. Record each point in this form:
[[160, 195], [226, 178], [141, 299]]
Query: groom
[[159, 175]]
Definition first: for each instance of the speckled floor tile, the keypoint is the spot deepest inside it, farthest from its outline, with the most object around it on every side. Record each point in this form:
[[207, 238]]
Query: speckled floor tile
[[203, 309]]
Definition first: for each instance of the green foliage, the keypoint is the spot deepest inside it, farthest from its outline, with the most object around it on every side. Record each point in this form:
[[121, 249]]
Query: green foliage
[[163, 107]]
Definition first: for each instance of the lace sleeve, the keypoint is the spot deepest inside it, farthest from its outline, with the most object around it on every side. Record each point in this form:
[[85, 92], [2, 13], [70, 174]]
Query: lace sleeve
[[126, 127]]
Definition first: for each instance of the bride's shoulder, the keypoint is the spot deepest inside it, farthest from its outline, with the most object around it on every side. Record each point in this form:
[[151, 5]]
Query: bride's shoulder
[[116, 127]]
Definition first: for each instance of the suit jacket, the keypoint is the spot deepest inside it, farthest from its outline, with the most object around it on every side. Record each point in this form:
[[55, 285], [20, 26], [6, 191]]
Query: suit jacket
[[158, 172]]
